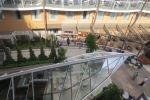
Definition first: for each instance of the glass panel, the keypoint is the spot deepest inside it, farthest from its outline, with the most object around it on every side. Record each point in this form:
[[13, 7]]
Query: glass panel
[[126, 16], [20, 89], [84, 89], [36, 14], [100, 15], [111, 60], [10, 92], [1, 15], [113, 15], [148, 17], [56, 96], [77, 71], [4, 88], [85, 15], [112, 66], [58, 75], [40, 82], [17, 14], [69, 14], [66, 87], [102, 75], [74, 90], [53, 14]]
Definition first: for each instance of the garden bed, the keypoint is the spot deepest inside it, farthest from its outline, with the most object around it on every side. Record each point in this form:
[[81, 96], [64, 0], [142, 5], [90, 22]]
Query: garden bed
[[27, 63]]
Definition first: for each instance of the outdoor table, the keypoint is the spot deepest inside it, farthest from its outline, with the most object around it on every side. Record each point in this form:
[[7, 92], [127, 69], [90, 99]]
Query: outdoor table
[[125, 95], [133, 61]]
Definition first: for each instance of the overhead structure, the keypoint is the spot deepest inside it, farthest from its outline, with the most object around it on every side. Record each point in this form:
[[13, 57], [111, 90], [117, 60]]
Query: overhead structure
[[74, 79]]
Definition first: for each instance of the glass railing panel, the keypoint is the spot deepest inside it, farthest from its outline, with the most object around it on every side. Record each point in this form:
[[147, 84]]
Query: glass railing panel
[[134, 5], [32, 3], [88, 3], [40, 75], [120, 5], [56, 96], [72, 4], [74, 90], [54, 3], [147, 7], [84, 89], [4, 88], [106, 4], [47, 96], [112, 66], [11, 3]]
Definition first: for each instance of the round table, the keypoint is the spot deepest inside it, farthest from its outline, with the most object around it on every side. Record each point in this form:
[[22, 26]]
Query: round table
[[133, 61], [125, 95]]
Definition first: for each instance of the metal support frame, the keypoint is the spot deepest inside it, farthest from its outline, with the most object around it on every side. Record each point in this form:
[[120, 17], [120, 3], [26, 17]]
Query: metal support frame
[[13, 91], [32, 85]]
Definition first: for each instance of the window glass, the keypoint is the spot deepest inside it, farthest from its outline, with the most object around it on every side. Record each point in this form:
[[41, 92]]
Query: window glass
[[100, 15], [53, 14], [125, 16], [85, 15], [69, 14], [17, 14], [113, 16], [36, 14], [148, 16]]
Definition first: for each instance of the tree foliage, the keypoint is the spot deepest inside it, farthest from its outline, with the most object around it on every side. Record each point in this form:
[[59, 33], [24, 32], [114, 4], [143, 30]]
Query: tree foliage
[[42, 55], [32, 55], [9, 59], [110, 92], [61, 53], [20, 58], [53, 51], [91, 43]]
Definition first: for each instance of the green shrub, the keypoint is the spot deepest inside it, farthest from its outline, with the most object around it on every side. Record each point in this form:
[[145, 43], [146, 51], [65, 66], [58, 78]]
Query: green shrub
[[42, 55], [61, 53], [20, 58], [32, 55], [110, 92], [91, 43], [28, 63], [9, 59], [53, 51]]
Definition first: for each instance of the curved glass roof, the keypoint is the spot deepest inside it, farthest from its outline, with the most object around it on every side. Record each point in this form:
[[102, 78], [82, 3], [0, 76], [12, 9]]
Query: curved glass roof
[[71, 80]]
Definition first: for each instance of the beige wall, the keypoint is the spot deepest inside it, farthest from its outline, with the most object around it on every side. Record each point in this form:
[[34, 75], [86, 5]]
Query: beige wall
[[9, 24]]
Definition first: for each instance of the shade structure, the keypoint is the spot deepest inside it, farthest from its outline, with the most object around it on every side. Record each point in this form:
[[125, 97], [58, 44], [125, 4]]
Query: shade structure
[[73, 79]]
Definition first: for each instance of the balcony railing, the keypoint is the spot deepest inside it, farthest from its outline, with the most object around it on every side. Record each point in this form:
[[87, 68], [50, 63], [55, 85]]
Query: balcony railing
[[76, 4]]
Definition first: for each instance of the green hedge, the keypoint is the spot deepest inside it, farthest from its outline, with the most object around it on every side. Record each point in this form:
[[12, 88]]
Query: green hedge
[[26, 64]]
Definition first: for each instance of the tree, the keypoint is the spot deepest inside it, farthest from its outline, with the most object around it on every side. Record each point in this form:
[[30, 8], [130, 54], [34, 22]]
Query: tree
[[9, 59], [53, 51], [20, 58], [42, 55], [110, 92], [91, 43], [32, 55], [61, 53]]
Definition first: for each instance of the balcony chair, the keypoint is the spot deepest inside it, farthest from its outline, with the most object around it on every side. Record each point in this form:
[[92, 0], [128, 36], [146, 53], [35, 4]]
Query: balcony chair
[[135, 67], [91, 96], [130, 65]]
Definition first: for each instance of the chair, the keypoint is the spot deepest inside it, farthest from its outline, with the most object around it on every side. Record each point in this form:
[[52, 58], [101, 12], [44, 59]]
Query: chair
[[98, 91], [91, 96], [135, 67], [130, 65]]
